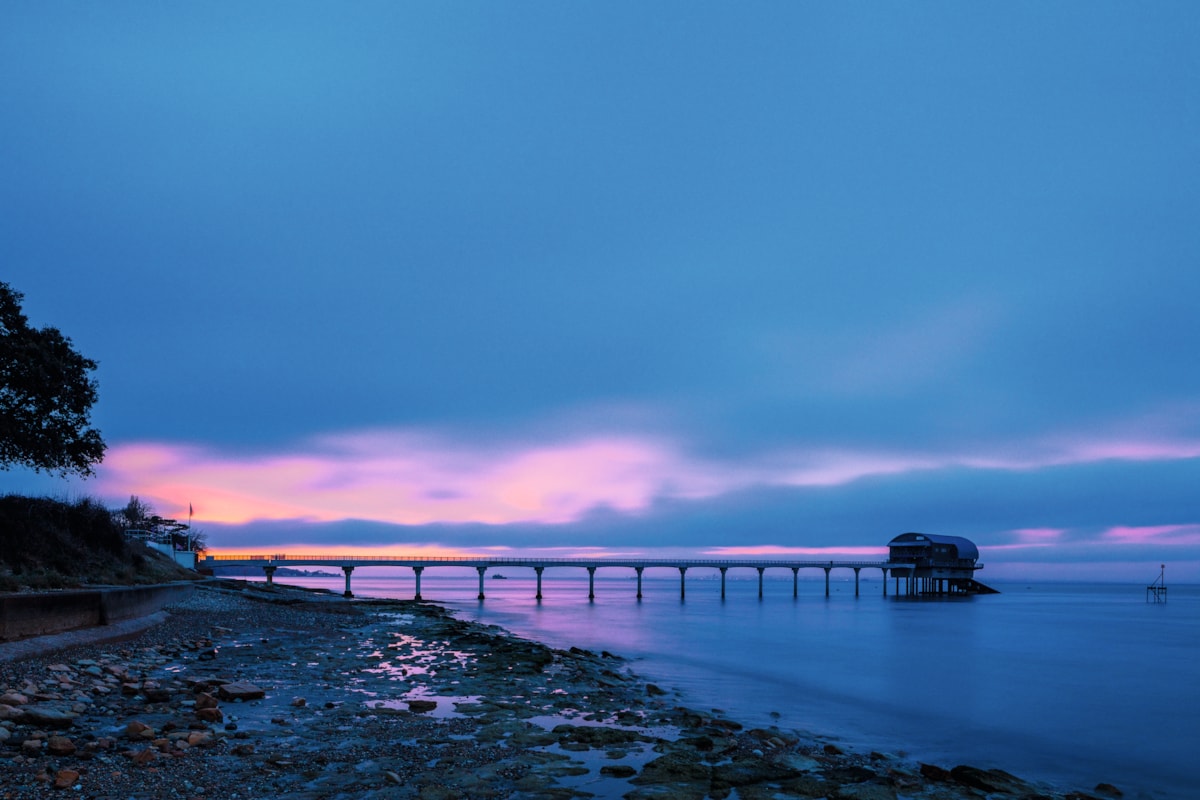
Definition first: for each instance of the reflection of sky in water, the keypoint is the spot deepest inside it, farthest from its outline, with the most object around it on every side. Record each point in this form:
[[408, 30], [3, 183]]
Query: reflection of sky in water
[[1045, 681]]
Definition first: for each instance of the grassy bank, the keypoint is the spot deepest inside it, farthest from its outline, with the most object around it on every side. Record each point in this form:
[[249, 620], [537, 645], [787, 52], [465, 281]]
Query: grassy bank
[[52, 544]]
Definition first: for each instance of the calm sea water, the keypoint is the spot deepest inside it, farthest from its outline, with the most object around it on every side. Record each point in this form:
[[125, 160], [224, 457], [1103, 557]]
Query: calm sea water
[[1069, 683]]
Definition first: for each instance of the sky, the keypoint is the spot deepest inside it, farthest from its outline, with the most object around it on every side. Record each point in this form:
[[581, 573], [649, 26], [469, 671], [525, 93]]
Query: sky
[[703, 278]]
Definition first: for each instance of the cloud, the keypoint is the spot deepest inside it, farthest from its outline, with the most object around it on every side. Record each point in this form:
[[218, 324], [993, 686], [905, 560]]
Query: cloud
[[408, 477]]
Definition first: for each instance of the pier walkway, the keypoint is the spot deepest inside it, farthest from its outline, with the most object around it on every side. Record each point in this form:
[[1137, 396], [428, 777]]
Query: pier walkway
[[269, 563]]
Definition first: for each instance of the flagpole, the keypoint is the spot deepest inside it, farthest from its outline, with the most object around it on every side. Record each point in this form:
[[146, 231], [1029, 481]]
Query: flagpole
[[191, 537]]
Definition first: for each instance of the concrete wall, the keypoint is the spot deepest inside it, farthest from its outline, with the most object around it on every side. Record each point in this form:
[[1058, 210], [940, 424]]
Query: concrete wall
[[24, 615]]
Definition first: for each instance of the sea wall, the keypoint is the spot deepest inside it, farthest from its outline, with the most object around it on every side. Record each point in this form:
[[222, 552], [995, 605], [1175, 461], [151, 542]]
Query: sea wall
[[24, 615]]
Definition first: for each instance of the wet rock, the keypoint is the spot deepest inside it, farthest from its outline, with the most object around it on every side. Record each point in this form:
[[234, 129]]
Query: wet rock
[[866, 791], [1108, 790], [654, 691], [746, 771], [239, 690], [618, 770], [421, 706], [990, 780], [48, 717], [934, 773], [13, 699], [676, 767], [11, 712], [211, 715]]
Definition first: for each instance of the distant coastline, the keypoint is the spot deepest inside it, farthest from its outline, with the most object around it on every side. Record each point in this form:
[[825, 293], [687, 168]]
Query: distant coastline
[[282, 572]]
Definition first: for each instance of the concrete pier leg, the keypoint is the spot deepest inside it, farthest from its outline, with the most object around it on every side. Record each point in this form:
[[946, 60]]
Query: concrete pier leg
[[723, 571], [417, 571], [885, 583], [591, 583], [682, 583], [270, 575], [760, 574], [480, 570], [795, 581], [638, 570], [348, 570], [856, 569], [827, 580], [538, 570]]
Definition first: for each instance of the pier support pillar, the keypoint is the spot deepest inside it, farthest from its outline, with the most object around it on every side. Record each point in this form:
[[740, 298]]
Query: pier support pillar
[[538, 570], [682, 583], [856, 569], [723, 571], [480, 570], [591, 583], [638, 570], [795, 581], [760, 574], [885, 583], [270, 575], [417, 571], [827, 580], [348, 570]]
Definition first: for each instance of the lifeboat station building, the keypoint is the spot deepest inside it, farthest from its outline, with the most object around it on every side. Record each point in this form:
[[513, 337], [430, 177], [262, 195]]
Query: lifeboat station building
[[930, 564]]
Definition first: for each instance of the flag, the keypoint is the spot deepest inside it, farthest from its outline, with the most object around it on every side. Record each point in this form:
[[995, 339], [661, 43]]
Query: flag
[[189, 510]]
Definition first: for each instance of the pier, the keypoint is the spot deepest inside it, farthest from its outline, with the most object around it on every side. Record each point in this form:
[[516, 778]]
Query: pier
[[917, 571]]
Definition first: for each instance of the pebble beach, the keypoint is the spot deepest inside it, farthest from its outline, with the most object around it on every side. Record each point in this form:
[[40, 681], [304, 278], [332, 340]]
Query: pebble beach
[[248, 691]]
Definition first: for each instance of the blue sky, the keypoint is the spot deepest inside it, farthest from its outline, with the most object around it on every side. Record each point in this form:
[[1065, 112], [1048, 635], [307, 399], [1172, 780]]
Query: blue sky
[[625, 276]]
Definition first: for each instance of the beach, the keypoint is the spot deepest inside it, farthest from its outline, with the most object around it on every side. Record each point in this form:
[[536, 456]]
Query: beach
[[248, 691]]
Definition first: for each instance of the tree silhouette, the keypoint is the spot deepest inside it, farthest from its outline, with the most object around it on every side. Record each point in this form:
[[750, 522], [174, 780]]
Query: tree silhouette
[[46, 396]]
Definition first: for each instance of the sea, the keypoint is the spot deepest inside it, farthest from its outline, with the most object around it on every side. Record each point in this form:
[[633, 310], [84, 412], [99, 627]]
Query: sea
[[1071, 684]]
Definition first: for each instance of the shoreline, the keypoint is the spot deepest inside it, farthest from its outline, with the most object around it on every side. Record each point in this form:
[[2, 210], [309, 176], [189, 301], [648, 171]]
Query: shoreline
[[396, 698]]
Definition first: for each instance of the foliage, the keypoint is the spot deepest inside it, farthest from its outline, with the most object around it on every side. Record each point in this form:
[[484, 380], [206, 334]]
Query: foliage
[[46, 396], [139, 516], [46, 544]]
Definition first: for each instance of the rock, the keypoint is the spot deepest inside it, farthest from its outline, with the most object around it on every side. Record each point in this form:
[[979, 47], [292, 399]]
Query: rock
[[65, 778], [48, 717], [618, 770], [31, 747], [13, 699], [299, 702], [421, 706], [11, 712], [239, 690], [934, 773], [205, 700], [144, 757], [136, 729], [678, 767], [654, 691], [990, 780], [60, 746], [210, 714], [832, 750], [1109, 790], [746, 771], [5, 733], [866, 791]]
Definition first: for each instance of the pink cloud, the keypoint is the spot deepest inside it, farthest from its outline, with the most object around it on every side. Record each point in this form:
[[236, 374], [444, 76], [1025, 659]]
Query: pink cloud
[[1154, 534]]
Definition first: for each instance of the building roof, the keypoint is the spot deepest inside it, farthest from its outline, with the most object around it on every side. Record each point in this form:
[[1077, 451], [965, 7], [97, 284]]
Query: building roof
[[966, 548]]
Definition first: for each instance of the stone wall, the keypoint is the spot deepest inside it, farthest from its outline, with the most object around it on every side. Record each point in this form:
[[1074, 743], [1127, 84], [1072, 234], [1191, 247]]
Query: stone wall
[[24, 615]]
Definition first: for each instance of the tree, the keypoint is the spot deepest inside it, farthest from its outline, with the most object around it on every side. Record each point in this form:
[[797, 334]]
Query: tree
[[46, 395]]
